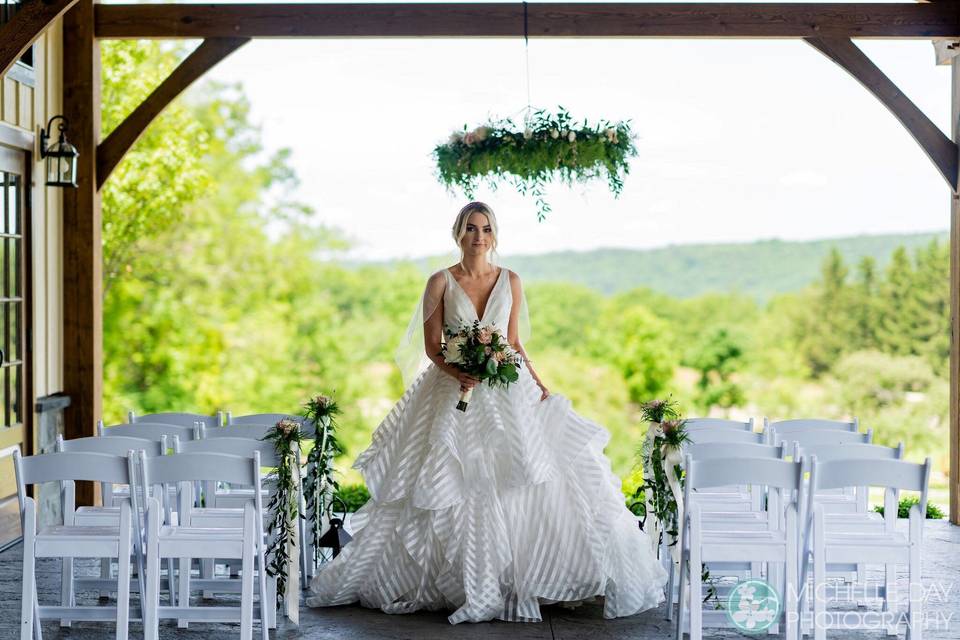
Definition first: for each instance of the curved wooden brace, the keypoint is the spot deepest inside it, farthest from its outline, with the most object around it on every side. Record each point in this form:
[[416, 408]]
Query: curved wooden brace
[[938, 147], [115, 146], [26, 26]]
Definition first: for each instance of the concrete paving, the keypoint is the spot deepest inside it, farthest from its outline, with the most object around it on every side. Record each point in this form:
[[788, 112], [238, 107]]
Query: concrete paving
[[941, 568]]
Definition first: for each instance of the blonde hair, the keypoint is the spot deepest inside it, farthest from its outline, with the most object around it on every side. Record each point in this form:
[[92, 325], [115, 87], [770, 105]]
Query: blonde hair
[[460, 224]]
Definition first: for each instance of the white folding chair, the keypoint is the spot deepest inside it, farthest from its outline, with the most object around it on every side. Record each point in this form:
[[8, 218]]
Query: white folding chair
[[718, 423], [225, 510], [250, 431], [169, 541], [261, 418], [719, 512], [775, 545], [97, 516], [831, 549], [69, 541], [806, 424], [180, 419]]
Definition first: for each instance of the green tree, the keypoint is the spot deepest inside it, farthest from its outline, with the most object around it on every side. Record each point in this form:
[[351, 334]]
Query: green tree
[[896, 330], [717, 357]]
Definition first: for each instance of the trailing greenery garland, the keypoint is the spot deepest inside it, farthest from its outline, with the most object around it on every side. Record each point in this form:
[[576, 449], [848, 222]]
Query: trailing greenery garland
[[320, 483], [549, 147], [284, 505]]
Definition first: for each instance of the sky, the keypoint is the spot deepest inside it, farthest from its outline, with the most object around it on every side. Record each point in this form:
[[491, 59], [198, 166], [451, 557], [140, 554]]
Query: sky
[[738, 140]]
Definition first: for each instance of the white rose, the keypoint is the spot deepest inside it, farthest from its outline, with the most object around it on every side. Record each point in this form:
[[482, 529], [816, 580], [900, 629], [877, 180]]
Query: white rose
[[572, 136], [527, 133], [452, 353], [554, 133]]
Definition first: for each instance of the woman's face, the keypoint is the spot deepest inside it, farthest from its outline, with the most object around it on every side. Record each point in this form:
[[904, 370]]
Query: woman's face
[[478, 238]]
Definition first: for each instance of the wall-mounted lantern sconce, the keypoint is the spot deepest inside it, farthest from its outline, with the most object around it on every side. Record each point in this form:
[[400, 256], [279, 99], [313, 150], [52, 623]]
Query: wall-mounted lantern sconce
[[61, 156]]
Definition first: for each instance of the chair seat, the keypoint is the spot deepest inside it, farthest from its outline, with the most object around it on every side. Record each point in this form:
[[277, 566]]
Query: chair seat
[[866, 539], [104, 516], [738, 537], [71, 541]]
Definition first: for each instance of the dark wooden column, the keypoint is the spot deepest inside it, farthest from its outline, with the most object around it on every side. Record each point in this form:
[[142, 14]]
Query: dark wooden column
[[82, 249]]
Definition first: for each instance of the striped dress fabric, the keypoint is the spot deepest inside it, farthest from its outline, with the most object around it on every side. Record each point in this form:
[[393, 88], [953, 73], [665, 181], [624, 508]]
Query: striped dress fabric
[[491, 512]]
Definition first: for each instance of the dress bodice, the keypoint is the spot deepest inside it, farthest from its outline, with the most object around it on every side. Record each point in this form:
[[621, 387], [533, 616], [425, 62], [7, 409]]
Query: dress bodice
[[458, 309]]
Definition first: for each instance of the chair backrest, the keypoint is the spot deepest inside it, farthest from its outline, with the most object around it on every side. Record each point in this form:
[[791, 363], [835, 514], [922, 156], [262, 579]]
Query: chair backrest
[[822, 437], [718, 423], [200, 467], [248, 431], [891, 474], [115, 446], [181, 419], [147, 430], [716, 472], [848, 451], [64, 467], [805, 424], [710, 450], [261, 418], [244, 447], [701, 436]]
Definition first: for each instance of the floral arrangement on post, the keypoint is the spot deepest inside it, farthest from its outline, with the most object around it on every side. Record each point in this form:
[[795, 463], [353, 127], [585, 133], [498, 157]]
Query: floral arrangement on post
[[548, 147], [660, 458], [284, 508], [320, 483]]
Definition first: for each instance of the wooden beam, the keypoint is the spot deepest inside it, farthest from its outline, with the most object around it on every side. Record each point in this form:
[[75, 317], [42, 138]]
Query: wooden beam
[[938, 147], [953, 478], [82, 246], [202, 59], [634, 19], [26, 26]]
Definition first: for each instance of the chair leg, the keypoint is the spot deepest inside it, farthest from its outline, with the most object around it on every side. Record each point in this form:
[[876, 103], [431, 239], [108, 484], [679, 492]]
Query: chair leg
[[682, 596], [890, 597], [29, 586], [819, 579], [915, 611], [247, 569], [265, 602], [696, 586], [171, 582], [272, 601], [151, 617], [670, 578], [105, 571], [790, 581], [207, 571], [183, 590], [67, 598], [123, 584]]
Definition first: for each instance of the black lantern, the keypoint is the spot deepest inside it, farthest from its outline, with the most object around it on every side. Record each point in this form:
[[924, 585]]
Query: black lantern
[[61, 156], [336, 537]]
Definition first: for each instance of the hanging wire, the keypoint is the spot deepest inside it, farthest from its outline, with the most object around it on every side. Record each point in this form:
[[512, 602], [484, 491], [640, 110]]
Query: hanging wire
[[526, 52]]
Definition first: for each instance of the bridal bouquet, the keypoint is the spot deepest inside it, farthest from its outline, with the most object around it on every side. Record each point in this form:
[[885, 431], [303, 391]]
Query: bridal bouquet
[[481, 352]]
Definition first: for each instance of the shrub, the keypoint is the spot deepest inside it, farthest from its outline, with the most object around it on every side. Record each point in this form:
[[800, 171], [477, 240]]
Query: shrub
[[903, 510], [353, 495]]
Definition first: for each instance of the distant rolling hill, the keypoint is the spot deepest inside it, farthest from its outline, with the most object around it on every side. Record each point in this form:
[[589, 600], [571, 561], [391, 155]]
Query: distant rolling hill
[[759, 269]]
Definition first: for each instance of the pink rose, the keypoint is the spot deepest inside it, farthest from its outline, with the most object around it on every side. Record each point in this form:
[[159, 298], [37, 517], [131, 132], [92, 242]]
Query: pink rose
[[485, 336], [500, 356]]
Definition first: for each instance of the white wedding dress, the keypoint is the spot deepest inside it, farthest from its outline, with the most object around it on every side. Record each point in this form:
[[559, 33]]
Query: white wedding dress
[[491, 511]]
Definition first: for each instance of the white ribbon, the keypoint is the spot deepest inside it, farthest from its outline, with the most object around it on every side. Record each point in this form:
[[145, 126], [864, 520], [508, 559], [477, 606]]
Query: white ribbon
[[671, 458], [292, 596], [653, 522]]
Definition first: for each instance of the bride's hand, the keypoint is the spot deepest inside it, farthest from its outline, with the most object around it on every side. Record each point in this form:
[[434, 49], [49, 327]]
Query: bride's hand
[[466, 381], [544, 392]]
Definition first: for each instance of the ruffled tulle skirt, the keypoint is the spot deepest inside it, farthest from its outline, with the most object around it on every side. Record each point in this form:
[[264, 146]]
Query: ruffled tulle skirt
[[490, 512]]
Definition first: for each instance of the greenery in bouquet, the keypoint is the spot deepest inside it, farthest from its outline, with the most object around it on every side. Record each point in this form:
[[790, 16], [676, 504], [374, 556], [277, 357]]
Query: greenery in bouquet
[[482, 352], [659, 410], [548, 147]]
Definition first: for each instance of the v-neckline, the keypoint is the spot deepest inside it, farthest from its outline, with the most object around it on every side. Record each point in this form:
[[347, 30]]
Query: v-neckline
[[486, 305]]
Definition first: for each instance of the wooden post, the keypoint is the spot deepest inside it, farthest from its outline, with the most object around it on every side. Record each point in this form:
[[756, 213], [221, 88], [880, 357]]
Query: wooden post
[[82, 250], [955, 308]]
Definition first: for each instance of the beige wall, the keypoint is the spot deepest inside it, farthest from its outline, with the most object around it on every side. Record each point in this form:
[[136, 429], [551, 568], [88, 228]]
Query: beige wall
[[26, 108]]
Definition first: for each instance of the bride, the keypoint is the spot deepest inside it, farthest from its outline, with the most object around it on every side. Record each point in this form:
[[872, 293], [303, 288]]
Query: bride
[[492, 511]]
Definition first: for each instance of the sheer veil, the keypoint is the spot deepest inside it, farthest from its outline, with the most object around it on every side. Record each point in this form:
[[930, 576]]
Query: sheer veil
[[411, 355]]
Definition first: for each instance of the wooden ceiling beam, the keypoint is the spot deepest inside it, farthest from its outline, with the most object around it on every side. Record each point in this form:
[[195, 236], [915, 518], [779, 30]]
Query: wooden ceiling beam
[[26, 26], [938, 147], [576, 20], [202, 59]]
